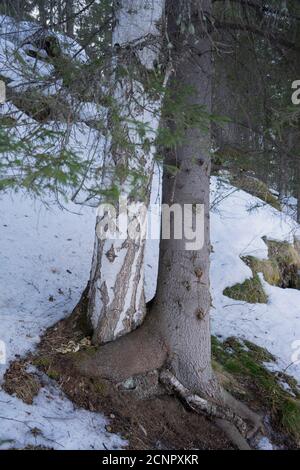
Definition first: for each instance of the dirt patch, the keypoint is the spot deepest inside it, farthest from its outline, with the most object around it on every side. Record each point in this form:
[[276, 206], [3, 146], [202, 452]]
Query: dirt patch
[[155, 419], [21, 383], [152, 422]]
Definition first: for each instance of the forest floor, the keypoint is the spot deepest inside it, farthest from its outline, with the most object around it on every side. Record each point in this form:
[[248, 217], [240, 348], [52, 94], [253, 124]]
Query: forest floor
[[155, 421], [45, 261]]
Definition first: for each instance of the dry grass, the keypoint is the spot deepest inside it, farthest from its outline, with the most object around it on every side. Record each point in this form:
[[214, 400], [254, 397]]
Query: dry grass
[[19, 382]]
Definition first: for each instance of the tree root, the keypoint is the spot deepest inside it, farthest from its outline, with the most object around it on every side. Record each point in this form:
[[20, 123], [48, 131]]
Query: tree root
[[244, 412], [233, 434], [224, 415]]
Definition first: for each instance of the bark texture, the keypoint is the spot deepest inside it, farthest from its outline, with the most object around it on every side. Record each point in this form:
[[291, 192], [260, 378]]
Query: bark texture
[[181, 308], [180, 313], [116, 297], [70, 18]]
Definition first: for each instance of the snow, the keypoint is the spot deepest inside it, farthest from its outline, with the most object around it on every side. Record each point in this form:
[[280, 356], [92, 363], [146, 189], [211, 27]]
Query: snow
[[45, 256], [289, 204], [136, 22], [24, 72], [264, 444], [20, 69], [18, 32], [71, 48], [54, 422], [237, 231]]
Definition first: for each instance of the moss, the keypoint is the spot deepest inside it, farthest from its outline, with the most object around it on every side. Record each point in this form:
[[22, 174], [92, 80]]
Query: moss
[[250, 291], [245, 362], [7, 121], [41, 361], [46, 364], [101, 387], [287, 258], [261, 354], [255, 187], [283, 252], [53, 374], [281, 268], [297, 245], [290, 417], [268, 267]]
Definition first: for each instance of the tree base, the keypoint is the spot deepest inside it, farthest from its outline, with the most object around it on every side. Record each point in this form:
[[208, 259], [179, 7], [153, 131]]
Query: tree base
[[137, 407], [128, 380], [225, 415]]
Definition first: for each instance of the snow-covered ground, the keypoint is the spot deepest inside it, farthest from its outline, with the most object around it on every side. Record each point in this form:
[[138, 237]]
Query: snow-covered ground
[[52, 421], [45, 258], [237, 231], [45, 261]]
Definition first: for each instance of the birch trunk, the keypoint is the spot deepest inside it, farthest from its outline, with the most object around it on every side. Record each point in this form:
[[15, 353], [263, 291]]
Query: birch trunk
[[116, 296]]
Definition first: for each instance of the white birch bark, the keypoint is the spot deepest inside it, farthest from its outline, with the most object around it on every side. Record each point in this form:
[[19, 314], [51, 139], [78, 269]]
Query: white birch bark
[[116, 296]]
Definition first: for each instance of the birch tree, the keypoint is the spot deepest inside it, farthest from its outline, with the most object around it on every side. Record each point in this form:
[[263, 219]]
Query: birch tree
[[116, 297]]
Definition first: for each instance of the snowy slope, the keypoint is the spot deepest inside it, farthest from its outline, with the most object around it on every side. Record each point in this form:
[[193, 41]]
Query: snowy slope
[[54, 422], [237, 232], [45, 258], [18, 32], [45, 254]]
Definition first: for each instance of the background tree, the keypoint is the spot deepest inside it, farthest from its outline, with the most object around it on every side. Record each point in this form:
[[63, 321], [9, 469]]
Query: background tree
[[255, 68]]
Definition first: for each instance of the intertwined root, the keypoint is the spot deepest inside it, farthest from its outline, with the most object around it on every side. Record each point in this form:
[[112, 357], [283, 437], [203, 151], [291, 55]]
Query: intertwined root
[[232, 416], [255, 420]]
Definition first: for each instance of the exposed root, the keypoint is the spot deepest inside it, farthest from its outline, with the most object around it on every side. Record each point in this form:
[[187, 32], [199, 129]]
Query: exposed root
[[233, 434], [244, 412], [203, 406]]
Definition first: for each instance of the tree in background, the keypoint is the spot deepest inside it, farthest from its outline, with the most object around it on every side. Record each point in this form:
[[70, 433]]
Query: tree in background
[[256, 64]]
